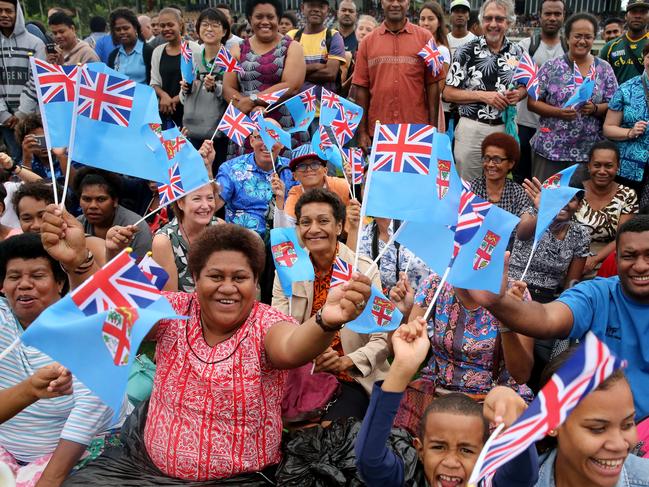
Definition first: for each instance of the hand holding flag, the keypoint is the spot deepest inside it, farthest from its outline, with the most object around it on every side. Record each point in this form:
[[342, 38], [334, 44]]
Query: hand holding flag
[[527, 74], [273, 97], [236, 125]]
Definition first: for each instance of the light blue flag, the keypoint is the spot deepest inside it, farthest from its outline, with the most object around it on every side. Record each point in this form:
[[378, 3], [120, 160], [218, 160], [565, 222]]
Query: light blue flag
[[379, 316], [98, 349], [480, 262], [331, 104], [302, 108], [583, 93], [432, 242], [292, 262], [186, 62], [112, 127], [448, 184], [271, 133], [555, 194], [185, 165], [323, 145]]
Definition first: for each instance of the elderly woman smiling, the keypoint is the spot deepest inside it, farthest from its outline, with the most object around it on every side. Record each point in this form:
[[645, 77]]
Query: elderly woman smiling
[[215, 409]]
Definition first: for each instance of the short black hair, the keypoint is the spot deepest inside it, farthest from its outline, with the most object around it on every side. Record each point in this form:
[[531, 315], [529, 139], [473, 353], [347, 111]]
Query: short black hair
[[26, 125], [604, 145], [27, 246], [544, 1], [224, 6], [567, 28], [90, 176], [251, 4], [292, 17], [454, 403], [59, 18], [474, 18], [3, 194], [97, 24], [227, 237], [214, 15], [636, 224], [39, 190], [128, 15], [613, 20], [321, 195]]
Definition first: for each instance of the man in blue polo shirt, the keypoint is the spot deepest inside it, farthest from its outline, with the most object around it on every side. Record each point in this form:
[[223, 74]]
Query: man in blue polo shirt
[[616, 309]]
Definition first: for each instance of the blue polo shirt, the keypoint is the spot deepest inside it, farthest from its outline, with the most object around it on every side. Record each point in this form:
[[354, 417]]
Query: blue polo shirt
[[602, 307], [245, 188], [131, 64]]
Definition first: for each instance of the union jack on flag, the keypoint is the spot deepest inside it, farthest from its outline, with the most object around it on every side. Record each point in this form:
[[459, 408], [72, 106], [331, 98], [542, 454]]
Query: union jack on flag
[[584, 370], [119, 284], [172, 190], [329, 99], [342, 126], [325, 140], [273, 97], [105, 98], [186, 51], [404, 148], [153, 271], [432, 57], [341, 272], [578, 79], [236, 125], [527, 73], [308, 98], [227, 62], [355, 157], [56, 83], [471, 214]]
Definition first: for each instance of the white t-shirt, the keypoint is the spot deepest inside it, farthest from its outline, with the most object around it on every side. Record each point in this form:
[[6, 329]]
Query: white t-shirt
[[455, 42], [542, 54], [10, 219], [446, 57]]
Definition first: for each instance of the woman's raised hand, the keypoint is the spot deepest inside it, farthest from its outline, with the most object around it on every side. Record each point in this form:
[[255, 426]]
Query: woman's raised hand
[[346, 302]]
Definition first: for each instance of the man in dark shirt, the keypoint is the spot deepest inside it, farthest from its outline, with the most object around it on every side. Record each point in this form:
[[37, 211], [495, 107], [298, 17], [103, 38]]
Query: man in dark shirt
[[347, 16]]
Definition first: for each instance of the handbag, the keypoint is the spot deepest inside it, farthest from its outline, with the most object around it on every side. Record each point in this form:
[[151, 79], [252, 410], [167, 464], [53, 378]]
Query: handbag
[[140, 380], [307, 395]]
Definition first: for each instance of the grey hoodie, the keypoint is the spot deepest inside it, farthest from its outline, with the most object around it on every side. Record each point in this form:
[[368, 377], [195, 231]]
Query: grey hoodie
[[17, 93]]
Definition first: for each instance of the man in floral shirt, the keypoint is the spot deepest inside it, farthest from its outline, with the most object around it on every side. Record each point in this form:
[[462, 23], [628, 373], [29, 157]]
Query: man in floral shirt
[[479, 81]]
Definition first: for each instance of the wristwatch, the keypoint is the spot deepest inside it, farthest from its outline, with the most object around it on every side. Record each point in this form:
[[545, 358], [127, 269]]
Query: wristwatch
[[254, 98], [326, 328], [14, 167]]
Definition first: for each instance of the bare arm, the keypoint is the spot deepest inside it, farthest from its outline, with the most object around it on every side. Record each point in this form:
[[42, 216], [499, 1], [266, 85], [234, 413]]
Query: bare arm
[[518, 353], [614, 131], [163, 254], [575, 271], [457, 95], [66, 455]]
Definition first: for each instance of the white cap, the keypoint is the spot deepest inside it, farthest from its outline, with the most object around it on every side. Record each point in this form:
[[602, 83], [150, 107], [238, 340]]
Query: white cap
[[460, 3]]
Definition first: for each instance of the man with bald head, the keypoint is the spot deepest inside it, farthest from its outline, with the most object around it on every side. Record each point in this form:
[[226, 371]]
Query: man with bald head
[[145, 27]]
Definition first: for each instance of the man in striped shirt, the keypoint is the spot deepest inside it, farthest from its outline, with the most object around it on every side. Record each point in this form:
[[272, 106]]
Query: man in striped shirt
[[60, 428]]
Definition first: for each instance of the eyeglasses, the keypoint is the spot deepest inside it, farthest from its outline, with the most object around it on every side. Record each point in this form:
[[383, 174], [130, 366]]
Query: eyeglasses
[[583, 37], [313, 166], [494, 18], [495, 159], [208, 25]]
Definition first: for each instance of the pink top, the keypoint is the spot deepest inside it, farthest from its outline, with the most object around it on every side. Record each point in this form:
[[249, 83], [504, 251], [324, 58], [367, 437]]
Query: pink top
[[215, 412]]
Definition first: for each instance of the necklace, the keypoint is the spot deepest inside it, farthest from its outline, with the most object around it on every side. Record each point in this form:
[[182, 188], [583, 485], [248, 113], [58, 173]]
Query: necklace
[[183, 231]]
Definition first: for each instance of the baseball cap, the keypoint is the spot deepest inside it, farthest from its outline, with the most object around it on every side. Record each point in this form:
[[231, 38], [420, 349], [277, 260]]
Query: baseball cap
[[301, 153], [637, 3], [462, 3]]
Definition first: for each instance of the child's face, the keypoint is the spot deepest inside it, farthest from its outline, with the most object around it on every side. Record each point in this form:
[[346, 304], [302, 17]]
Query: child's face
[[597, 437], [450, 448]]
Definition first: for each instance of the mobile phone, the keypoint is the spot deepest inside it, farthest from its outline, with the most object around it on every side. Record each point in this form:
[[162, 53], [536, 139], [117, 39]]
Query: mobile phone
[[40, 139], [50, 48]]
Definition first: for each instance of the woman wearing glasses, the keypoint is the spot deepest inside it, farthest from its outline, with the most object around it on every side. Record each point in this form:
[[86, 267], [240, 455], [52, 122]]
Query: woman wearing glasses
[[566, 134], [500, 154]]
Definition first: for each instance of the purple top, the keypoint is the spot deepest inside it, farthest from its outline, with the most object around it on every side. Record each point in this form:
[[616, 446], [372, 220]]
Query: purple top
[[563, 140]]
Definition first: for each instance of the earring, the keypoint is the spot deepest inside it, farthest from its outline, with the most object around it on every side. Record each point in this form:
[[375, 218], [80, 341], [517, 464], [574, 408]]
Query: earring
[[552, 433]]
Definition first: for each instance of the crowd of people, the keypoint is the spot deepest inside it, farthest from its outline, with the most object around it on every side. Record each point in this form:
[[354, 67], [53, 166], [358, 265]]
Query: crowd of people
[[254, 368]]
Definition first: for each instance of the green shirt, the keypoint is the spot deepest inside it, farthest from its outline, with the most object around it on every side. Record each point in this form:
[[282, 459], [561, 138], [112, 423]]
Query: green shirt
[[616, 53]]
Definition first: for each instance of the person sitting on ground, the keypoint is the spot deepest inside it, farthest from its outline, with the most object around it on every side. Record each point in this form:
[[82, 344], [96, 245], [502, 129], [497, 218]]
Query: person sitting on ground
[[99, 192], [450, 436]]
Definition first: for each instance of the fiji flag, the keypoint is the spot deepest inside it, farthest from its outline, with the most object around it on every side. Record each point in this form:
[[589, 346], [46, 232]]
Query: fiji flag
[[582, 373], [555, 194], [302, 108], [379, 316], [272, 134], [55, 89], [110, 127], [186, 62], [292, 262], [326, 149], [448, 184], [479, 263], [400, 182], [99, 343], [335, 107], [185, 167], [583, 93]]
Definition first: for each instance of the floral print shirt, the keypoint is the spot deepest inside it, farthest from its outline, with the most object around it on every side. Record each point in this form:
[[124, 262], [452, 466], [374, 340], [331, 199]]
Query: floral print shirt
[[463, 344], [245, 189], [631, 100], [476, 68], [570, 140]]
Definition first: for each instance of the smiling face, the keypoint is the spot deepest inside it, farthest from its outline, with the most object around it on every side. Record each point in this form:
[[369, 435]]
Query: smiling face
[[428, 20], [264, 22], [210, 32], [580, 41], [566, 213], [30, 287], [495, 23], [363, 28], [633, 265], [7, 16], [611, 31], [226, 289], [198, 206], [64, 35], [596, 438], [450, 448], [318, 228], [262, 155], [125, 32], [602, 167], [495, 164], [310, 173], [30, 214], [169, 27]]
